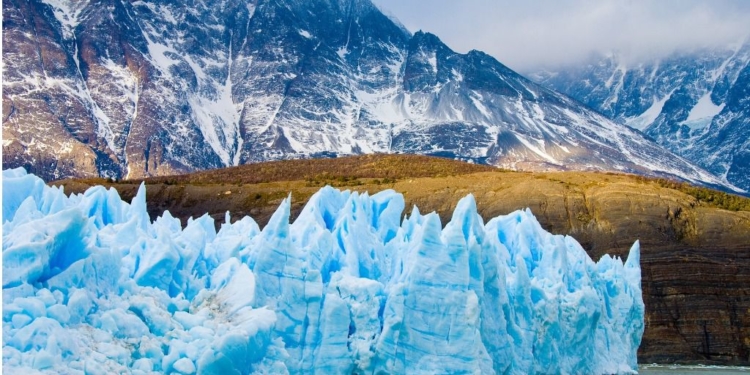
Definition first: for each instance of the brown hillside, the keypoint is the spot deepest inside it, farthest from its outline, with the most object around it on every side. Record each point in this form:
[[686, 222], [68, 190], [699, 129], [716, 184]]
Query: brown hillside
[[695, 242]]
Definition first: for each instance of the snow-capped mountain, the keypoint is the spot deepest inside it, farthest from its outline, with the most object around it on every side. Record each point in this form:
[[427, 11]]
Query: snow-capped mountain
[[131, 89], [694, 103]]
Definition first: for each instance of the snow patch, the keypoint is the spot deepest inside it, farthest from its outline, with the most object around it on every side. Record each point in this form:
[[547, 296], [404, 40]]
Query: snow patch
[[167, 14], [432, 60], [68, 13], [125, 79], [705, 108], [478, 104], [342, 52], [158, 53], [457, 76], [217, 122], [647, 118], [537, 150]]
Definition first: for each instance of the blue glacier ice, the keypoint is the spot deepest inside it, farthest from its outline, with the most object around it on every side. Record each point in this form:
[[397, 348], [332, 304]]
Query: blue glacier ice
[[91, 285]]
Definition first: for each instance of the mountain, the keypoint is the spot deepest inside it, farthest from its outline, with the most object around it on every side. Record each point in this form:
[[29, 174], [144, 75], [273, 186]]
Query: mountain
[[132, 89], [694, 103]]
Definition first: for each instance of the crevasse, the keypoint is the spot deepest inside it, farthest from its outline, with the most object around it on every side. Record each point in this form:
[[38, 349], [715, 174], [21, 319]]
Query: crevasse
[[91, 285]]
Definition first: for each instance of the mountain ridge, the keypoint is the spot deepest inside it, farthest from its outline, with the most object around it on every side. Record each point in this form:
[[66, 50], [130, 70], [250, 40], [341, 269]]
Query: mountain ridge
[[694, 103], [143, 89]]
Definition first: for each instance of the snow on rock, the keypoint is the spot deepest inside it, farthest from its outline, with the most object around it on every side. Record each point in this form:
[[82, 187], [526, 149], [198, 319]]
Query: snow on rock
[[705, 108], [91, 285]]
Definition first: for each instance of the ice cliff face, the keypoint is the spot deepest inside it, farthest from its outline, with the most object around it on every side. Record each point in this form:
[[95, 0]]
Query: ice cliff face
[[693, 103], [131, 89], [91, 285]]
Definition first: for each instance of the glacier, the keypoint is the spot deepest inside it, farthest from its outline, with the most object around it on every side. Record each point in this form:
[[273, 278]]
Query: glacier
[[91, 285]]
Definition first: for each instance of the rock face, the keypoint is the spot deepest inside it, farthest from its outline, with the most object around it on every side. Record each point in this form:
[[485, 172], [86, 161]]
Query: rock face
[[131, 89], [695, 258], [693, 103]]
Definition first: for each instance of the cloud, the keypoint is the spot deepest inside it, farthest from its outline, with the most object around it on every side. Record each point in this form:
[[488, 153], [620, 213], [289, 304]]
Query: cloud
[[530, 35]]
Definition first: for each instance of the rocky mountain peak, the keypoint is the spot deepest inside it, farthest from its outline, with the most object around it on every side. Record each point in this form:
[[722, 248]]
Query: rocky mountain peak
[[150, 88]]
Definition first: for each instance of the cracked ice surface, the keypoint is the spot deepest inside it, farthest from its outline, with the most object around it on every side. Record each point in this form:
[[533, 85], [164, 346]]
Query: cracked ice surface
[[91, 285]]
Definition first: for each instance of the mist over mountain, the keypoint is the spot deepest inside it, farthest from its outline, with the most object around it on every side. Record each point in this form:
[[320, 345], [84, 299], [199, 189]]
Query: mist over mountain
[[694, 103], [550, 34]]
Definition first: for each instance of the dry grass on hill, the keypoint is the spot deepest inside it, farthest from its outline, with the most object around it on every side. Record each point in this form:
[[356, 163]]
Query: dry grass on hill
[[343, 170], [379, 171]]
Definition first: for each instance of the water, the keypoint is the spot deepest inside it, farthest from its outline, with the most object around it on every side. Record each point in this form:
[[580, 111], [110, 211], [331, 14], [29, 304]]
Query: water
[[692, 370]]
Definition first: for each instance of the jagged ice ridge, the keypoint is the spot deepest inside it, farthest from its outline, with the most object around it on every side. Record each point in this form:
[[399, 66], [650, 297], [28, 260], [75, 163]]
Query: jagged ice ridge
[[91, 285]]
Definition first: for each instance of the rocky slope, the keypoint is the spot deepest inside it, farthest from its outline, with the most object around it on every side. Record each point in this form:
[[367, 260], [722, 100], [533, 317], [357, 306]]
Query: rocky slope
[[695, 255], [693, 103], [131, 89]]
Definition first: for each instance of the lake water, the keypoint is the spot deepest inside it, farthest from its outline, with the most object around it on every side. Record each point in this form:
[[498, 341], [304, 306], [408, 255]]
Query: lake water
[[692, 370]]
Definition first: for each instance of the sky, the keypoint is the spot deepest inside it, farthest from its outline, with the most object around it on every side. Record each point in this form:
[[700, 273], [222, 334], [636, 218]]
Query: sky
[[545, 34]]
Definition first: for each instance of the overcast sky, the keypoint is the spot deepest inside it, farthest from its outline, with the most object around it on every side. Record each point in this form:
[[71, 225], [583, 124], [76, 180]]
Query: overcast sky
[[528, 35]]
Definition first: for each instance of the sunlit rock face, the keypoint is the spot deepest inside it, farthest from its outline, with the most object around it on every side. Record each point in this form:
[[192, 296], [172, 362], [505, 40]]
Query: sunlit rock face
[[90, 284]]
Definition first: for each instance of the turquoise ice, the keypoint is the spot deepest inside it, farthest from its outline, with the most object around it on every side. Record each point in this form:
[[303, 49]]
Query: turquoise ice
[[91, 285]]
